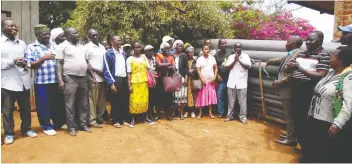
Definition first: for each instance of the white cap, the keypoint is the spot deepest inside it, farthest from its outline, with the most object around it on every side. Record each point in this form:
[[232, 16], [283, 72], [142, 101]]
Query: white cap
[[167, 38], [148, 47], [56, 32]]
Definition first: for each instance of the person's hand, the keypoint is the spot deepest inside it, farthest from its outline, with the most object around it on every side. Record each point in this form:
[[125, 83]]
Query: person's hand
[[94, 81], [48, 56], [113, 88], [61, 85], [236, 57], [203, 82], [190, 72], [130, 89], [293, 65], [219, 78], [185, 82], [276, 84], [333, 130], [213, 80], [20, 61]]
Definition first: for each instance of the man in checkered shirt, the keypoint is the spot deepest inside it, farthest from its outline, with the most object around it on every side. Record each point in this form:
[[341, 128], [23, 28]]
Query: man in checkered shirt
[[48, 98]]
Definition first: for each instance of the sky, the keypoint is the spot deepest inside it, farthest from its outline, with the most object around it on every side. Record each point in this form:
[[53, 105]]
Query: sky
[[322, 22]]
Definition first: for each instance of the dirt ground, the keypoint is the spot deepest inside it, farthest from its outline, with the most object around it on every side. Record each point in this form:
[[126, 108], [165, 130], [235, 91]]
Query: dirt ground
[[187, 140]]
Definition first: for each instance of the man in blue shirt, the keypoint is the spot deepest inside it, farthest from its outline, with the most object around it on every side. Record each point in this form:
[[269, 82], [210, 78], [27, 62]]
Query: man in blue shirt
[[49, 100]]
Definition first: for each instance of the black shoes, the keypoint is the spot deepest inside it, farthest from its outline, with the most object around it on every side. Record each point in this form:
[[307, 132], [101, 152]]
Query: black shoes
[[86, 129], [72, 132]]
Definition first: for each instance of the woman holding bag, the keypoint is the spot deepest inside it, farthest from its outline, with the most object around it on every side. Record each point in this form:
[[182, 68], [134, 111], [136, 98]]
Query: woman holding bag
[[207, 70], [137, 67], [165, 64], [328, 126], [181, 64]]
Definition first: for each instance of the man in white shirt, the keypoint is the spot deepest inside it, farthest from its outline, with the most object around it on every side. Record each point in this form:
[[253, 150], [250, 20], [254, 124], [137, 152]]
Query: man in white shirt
[[237, 83], [72, 68], [97, 100], [15, 82]]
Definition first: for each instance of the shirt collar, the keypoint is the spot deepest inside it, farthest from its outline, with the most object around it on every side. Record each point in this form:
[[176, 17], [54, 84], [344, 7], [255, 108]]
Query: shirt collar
[[94, 45], [317, 51], [4, 39], [117, 52], [37, 43]]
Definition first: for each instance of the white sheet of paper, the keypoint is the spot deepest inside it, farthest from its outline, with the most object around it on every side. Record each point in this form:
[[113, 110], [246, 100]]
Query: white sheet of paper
[[308, 63]]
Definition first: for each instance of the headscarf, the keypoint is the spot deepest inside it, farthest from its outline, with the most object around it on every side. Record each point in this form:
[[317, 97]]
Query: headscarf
[[189, 48], [164, 44], [56, 32], [176, 43]]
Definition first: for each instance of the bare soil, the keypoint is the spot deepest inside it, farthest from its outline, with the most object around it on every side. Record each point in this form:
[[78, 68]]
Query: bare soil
[[187, 140]]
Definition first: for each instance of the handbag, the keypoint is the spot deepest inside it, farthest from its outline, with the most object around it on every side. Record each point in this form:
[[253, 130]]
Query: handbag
[[151, 80], [172, 83], [196, 84], [150, 77], [337, 100]]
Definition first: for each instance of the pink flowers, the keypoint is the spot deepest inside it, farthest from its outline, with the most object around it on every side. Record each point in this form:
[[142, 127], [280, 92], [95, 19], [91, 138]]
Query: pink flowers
[[261, 26], [280, 27]]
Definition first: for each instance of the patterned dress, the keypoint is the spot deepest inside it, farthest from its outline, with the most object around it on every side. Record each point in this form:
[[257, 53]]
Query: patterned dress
[[190, 97], [139, 82], [180, 96]]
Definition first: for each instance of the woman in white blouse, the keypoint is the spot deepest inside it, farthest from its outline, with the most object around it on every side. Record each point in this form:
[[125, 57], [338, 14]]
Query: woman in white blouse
[[330, 138]]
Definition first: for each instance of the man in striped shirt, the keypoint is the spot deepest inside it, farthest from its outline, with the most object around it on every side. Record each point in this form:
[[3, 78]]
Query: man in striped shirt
[[309, 67]]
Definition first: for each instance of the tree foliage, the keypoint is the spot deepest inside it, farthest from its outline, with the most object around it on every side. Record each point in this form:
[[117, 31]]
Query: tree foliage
[[55, 13], [149, 21]]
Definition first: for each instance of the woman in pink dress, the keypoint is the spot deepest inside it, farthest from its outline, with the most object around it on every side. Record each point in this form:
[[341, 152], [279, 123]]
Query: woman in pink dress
[[207, 71]]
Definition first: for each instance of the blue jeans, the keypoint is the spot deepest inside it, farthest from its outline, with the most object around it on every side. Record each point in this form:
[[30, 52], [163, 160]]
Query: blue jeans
[[222, 97]]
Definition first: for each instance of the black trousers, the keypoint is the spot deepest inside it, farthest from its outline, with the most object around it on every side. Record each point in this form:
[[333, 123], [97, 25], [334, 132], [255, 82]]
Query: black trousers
[[8, 99], [302, 96], [119, 101], [152, 101], [318, 142]]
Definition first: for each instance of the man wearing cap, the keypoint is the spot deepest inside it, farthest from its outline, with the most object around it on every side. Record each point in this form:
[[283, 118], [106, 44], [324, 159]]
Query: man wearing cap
[[72, 66], [57, 35], [127, 49], [15, 82], [49, 101], [97, 100], [346, 37]]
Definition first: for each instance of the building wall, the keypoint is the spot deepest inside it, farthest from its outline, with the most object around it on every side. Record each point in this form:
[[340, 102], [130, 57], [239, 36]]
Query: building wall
[[343, 15], [25, 14]]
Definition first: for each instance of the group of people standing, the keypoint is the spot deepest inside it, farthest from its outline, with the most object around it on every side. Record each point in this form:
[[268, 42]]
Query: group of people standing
[[73, 82], [315, 88]]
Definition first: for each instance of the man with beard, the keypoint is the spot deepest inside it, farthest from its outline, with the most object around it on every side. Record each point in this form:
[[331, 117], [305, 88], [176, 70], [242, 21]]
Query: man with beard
[[49, 100], [15, 82], [73, 81]]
